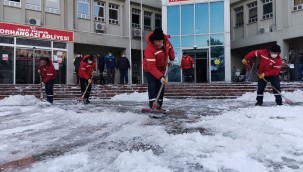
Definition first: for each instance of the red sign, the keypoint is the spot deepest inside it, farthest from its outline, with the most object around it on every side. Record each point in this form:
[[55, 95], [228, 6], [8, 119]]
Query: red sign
[[36, 32], [177, 0]]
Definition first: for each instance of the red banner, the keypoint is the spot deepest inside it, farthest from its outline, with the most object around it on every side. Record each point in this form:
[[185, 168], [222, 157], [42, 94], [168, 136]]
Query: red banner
[[177, 0], [36, 32]]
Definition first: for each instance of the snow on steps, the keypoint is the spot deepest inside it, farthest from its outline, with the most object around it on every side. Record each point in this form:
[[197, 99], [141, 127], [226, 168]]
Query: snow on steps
[[179, 91]]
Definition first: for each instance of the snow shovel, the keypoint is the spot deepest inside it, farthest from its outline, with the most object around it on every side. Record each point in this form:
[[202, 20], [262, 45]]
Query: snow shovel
[[82, 97], [250, 73], [286, 99], [41, 89]]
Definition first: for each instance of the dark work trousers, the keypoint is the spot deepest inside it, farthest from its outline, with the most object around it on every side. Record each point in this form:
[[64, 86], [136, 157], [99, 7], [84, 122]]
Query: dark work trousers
[[49, 90], [84, 84], [188, 75], [154, 85], [123, 76], [78, 79], [102, 81], [274, 80], [111, 75]]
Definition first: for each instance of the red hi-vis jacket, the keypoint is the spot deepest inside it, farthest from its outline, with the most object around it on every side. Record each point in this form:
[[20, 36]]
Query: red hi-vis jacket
[[269, 66], [155, 60], [86, 69], [187, 62], [48, 72]]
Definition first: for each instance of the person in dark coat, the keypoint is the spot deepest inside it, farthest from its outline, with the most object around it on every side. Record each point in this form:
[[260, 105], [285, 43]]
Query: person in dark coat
[[123, 66], [77, 62], [101, 65], [110, 62], [48, 75]]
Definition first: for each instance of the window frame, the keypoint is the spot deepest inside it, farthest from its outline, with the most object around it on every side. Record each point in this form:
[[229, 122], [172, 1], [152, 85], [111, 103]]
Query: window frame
[[252, 6], [239, 10], [137, 12], [32, 6], [297, 7], [269, 15], [100, 4], [158, 17], [81, 15], [148, 15], [52, 9], [113, 7], [12, 3]]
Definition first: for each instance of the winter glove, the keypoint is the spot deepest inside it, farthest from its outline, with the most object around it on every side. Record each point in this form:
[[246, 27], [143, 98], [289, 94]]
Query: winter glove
[[163, 80], [261, 75], [40, 85], [244, 61], [171, 63], [193, 65], [89, 81]]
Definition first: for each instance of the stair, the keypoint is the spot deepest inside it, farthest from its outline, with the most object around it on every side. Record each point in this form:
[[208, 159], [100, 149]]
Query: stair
[[178, 91]]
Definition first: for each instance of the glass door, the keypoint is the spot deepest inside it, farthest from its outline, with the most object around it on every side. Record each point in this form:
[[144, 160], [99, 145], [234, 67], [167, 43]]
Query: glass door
[[27, 60], [201, 67]]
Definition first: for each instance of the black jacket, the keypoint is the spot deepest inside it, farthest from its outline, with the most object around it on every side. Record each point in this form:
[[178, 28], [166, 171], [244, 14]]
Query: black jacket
[[77, 63], [101, 64], [123, 63]]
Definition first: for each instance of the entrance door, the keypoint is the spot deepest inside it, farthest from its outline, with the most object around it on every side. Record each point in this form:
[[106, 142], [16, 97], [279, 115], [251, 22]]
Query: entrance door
[[201, 64], [27, 64]]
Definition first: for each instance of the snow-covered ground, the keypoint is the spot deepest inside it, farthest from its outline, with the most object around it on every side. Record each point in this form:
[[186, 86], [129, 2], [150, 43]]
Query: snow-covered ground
[[112, 135]]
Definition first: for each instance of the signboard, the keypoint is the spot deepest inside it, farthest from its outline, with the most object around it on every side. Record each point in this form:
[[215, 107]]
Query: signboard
[[36, 32], [5, 57]]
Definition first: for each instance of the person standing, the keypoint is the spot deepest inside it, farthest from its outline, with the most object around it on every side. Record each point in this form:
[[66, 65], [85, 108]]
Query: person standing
[[295, 59], [187, 64], [269, 68], [87, 65], [77, 62], [110, 62], [48, 75], [123, 65], [155, 63], [101, 65]]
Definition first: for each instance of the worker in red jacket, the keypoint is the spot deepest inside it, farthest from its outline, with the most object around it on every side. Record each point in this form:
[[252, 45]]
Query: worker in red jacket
[[48, 75], [269, 68], [187, 64], [156, 55], [87, 65]]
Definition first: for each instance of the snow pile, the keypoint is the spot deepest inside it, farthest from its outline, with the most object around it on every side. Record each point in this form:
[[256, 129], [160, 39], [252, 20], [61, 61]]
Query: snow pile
[[136, 97], [296, 96], [19, 100]]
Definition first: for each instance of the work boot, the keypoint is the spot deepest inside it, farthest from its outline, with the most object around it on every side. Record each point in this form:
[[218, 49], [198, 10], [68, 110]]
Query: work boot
[[258, 104], [279, 103], [86, 101]]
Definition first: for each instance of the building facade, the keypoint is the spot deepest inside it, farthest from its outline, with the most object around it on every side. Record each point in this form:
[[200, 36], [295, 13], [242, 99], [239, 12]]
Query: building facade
[[257, 24], [201, 28], [60, 29]]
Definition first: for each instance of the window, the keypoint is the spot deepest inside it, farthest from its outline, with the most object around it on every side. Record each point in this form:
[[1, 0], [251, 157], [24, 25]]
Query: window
[[135, 18], [83, 9], [239, 16], [13, 3], [147, 20], [253, 12], [298, 5], [202, 19], [267, 9], [113, 13], [173, 20], [217, 17], [187, 18], [99, 11], [52, 6], [158, 20], [33, 5]]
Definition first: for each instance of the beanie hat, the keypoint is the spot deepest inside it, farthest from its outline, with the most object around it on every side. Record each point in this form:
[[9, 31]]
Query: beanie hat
[[157, 34], [275, 48]]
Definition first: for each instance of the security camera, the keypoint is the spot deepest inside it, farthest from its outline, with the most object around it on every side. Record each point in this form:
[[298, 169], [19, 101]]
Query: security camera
[[195, 46]]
